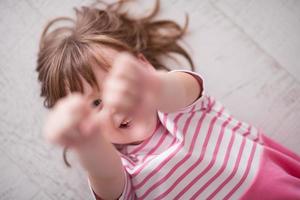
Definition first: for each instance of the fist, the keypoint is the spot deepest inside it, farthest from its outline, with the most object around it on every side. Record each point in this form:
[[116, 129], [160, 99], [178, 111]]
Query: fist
[[71, 122], [131, 83]]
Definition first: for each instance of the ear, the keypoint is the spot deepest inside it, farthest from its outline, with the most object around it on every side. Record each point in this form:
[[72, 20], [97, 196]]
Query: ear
[[144, 60]]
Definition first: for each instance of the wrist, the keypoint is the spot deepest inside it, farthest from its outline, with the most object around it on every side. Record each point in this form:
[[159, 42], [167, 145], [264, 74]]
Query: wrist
[[157, 85], [89, 142], [92, 153]]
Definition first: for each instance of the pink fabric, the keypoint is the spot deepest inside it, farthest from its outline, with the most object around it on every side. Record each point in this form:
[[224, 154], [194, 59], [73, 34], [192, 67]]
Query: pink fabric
[[203, 152], [278, 176]]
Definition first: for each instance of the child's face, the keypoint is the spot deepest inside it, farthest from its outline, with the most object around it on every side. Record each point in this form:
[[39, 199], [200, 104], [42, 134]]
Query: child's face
[[141, 125]]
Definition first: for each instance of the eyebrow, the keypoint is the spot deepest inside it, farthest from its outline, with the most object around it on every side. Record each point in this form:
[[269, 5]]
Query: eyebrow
[[95, 93], [93, 96]]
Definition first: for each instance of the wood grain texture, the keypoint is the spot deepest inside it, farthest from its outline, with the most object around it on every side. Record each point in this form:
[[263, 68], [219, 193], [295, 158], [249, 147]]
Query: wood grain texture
[[273, 25], [246, 51]]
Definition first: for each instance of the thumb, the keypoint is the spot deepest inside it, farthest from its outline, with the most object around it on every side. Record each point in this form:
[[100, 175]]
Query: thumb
[[112, 119], [91, 125]]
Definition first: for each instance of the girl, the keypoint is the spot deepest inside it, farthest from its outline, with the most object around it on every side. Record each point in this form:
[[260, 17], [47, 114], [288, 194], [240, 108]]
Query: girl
[[142, 133]]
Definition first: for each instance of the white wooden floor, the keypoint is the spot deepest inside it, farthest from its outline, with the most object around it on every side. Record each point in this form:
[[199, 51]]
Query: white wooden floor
[[248, 52]]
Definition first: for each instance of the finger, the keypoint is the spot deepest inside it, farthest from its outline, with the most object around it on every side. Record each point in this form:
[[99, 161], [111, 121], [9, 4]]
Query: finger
[[108, 115], [121, 107], [124, 104], [90, 125], [123, 61], [114, 84], [63, 119], [125, 73], [118, 89]]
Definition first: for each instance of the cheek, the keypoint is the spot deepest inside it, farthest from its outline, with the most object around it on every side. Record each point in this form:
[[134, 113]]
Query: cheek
[[145, 125]]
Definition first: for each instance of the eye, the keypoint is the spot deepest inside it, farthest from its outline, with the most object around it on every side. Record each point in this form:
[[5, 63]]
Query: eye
[[96, 102]]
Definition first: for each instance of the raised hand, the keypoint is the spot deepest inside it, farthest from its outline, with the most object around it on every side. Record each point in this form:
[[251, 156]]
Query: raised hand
[[71, 122], [131, 83]]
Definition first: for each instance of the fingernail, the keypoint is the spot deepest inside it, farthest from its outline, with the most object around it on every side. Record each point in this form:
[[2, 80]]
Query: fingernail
[[118, 118]]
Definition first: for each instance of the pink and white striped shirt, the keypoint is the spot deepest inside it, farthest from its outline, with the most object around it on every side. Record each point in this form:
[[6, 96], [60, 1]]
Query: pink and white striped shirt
[[199, 152]]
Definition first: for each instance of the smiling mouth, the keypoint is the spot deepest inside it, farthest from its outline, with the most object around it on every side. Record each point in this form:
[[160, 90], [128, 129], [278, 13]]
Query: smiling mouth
[[125, 124]]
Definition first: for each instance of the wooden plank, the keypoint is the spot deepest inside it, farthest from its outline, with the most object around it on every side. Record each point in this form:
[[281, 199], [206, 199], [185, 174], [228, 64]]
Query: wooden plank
[[274, 25], [14, 184]]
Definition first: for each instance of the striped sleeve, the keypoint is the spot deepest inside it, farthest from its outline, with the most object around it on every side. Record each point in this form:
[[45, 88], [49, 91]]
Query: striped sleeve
[[179, 121]]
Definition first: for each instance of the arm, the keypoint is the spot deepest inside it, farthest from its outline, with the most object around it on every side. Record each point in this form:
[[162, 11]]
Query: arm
[[133, 81], [73, 123], [104, 167], [177, 90]]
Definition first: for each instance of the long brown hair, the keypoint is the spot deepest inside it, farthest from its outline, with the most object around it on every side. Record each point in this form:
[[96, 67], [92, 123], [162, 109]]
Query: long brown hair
[[67, 52]]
